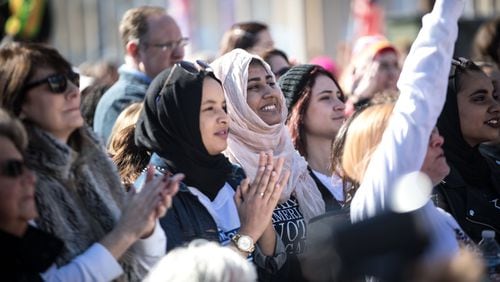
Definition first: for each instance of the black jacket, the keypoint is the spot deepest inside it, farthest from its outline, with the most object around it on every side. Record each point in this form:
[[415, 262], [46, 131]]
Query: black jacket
[[24, 258], [469, 205], [188, 219]]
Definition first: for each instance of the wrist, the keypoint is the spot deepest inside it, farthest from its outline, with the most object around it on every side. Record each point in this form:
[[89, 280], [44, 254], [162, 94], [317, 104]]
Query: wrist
[[243, 243]]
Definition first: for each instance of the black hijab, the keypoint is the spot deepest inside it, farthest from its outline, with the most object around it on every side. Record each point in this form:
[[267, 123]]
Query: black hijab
[[469, 162], [169, 126]]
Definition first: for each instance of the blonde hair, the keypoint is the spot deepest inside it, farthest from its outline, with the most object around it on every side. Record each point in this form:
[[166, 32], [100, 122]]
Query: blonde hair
[[363, 136]]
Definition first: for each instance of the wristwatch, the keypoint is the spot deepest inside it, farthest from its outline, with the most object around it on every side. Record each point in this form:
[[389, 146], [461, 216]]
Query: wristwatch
[[243, 243]]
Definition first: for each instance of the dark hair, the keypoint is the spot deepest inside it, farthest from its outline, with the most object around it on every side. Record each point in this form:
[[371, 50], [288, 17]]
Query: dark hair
[[241, 35], [18, 64], [459, 67], [90, 98], [129, 158], [295, 120], [486, 44], [275, 52]]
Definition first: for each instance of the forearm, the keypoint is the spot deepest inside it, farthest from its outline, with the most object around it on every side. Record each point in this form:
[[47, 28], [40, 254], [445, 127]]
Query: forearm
[[118, 241], [267, 242]]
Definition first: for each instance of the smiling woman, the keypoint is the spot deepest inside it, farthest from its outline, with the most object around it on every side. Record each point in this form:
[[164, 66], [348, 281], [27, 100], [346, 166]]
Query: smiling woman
[[470, 116], [257, 111], [184, 125]]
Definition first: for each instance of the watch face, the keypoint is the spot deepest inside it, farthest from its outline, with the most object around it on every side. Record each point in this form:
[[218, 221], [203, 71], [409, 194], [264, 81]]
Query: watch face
[[245, 243]]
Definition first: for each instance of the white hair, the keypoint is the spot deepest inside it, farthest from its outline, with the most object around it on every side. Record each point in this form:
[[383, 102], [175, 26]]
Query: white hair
[[202, 261]]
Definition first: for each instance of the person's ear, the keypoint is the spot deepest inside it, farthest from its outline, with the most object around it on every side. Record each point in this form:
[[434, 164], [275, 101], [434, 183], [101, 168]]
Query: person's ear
[[132, 48]]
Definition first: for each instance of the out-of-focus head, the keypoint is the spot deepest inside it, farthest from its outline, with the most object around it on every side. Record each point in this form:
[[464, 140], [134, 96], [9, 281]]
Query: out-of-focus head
[[486, 44], [202, 261], [327, 63], [151, 39], [254, 37], [17, 182], [38, 85], [278, 61], [472, 111], [315, 104], [372, 54]]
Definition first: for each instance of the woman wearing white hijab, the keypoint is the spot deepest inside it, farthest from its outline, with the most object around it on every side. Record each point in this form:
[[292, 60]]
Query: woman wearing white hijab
[[257, 110]]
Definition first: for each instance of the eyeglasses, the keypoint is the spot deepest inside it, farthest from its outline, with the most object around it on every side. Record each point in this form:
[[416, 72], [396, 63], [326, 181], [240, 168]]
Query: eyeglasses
[[169, 45], [13, 168], [58, 83]]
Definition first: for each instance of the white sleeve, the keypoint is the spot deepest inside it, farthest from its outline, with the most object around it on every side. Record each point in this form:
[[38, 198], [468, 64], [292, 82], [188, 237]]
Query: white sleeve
[[150, 250], [422, 86], [95, 264]]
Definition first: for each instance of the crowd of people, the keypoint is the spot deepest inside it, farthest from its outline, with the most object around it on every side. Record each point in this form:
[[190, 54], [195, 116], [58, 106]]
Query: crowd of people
[[171, 170]]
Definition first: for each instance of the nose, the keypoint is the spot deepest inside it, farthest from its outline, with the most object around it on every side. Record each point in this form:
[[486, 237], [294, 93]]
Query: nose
[[436, 140], [73, 91], [223, 117], [338, 105], [28, 177], [495, 107]]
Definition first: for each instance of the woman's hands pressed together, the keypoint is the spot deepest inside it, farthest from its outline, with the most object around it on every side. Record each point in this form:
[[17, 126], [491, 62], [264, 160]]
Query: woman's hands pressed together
[[256, 201]]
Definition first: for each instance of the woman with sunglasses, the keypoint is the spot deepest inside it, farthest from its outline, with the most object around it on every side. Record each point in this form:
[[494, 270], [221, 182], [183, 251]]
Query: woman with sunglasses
[[257, 110], [107, 234], [17, 208], [471, 116], [185, 125], [315, 114]]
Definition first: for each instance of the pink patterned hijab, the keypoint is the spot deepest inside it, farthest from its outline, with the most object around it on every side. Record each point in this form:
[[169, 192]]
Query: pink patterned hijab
[[249, 134]]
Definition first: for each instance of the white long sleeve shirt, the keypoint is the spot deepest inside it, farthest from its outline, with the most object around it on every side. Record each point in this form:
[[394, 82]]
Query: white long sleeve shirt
[[422, 85], [97, 263]]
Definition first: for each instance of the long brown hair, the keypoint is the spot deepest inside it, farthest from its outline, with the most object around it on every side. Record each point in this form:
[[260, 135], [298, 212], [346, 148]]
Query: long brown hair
[[296, 115]]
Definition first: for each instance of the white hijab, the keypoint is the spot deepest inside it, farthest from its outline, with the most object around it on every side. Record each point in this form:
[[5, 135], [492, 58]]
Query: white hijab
[[249, 134]]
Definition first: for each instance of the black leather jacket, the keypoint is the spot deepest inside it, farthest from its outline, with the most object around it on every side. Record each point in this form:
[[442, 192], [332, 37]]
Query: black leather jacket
[[468, 205]]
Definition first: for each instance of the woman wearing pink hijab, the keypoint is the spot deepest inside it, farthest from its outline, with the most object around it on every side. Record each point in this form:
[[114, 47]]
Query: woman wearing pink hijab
[[257, 111]]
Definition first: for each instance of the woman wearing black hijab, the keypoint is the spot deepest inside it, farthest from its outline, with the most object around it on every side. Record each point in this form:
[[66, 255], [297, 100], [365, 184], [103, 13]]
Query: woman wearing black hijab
[[471, 192], [185, 125]]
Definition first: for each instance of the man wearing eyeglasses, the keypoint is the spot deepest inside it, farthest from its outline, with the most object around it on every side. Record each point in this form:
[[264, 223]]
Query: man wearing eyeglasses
[[152, 42]]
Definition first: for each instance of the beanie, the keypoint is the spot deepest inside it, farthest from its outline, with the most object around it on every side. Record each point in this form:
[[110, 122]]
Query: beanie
[[293, 81]]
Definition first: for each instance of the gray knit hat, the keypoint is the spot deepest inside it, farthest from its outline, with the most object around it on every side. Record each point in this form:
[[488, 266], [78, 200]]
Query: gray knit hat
[[293, 81]]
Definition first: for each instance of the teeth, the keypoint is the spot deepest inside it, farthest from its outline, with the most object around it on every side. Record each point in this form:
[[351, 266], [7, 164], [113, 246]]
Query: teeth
[[269, 108], [492, 121]]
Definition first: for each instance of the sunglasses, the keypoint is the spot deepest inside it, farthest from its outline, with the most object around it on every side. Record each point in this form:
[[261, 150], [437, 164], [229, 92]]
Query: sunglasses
[[13, 168], [169, 45], [58, 83], [459, 64], [195, 69]]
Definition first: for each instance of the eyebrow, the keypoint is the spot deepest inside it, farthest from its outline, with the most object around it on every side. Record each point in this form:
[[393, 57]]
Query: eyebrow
[[478, 92], [209, 102], [258, 78]]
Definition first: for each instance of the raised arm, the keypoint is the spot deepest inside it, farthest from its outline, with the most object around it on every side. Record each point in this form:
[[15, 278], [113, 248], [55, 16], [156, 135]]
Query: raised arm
[[422, 86]]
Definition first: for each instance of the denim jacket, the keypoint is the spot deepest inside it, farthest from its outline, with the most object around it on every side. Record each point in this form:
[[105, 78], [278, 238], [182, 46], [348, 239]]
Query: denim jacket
[[188, 219]]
